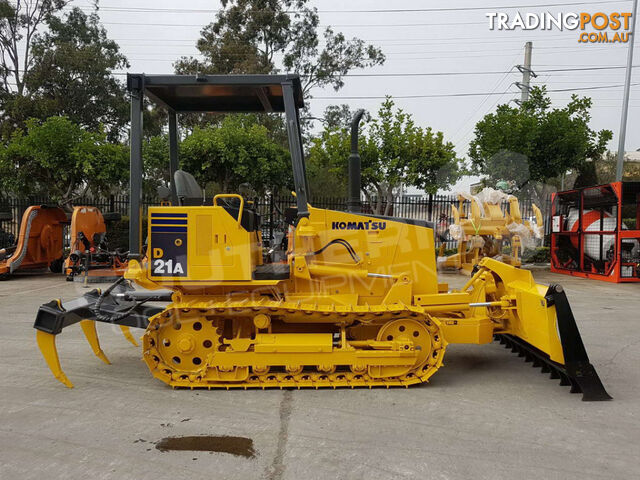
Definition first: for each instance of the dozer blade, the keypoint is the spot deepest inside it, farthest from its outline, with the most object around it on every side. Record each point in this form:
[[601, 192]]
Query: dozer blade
[[540, 327], [47, 345], [89, 329], [127, 334], [576, 371]]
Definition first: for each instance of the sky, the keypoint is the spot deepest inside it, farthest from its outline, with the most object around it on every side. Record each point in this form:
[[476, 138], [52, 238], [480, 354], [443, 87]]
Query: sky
[[456, 39]]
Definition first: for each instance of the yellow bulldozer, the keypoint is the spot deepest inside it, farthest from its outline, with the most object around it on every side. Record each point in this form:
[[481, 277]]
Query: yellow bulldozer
[[482, 230], [356, 304]]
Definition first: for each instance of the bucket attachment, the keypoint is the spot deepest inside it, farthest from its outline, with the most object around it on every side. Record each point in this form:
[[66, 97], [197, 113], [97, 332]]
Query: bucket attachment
[[117, 309]]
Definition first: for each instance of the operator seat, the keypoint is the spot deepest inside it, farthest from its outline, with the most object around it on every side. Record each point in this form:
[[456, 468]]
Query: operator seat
[[188, 191]]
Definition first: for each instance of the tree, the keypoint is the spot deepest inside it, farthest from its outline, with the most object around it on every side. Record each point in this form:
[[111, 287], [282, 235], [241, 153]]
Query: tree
[[237, 151], [605, 168], [341, 116], [155, 160], [325, 178], [533, 144], [19, 23], [71, 73], [62, 160], [264, 36], [394, 153]]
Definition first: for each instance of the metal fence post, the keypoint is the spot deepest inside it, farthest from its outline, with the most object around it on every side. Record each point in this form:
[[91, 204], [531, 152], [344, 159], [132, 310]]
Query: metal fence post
[[430, 208], [271, 218]]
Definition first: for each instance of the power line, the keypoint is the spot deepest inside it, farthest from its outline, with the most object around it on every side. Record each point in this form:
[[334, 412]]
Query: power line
[[434, 54], [464, 94], [321, 25], [548, 37], [477, 109], [459, 73], [485, 8], [427, 74], [417, 42], [386, 10], [470, 130]]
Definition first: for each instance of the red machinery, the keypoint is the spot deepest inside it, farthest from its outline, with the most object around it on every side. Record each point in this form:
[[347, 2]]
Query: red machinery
[[90, 258], [595, 232]]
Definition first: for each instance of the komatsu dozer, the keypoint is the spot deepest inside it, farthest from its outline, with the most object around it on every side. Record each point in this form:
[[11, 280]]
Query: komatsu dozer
[[356, 304], [482, 229]]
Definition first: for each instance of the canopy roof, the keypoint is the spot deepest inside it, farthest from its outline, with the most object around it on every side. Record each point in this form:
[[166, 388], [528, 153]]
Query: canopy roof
[[217, 93]]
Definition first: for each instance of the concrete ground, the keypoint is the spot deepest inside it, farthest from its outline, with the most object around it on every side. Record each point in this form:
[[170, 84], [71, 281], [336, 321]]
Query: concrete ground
[[485, 415]]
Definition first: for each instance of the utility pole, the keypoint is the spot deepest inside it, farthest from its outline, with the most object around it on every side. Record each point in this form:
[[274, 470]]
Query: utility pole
[[527, 73], [625, 101]]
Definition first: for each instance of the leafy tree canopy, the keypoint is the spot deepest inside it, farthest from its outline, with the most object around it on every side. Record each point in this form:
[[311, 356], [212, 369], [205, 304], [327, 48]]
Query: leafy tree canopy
[[237, 151], [155, 160], [71, 73], [394, 152], [19, 23], [61, 159], [265, 36], [535, 143]]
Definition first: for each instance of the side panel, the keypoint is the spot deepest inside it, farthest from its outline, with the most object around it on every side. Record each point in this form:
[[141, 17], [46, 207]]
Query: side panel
[[168, 239], [197, 245], [385, 246]]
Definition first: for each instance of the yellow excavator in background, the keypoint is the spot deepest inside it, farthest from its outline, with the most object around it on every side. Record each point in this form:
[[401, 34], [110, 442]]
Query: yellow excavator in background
[[357, 303]]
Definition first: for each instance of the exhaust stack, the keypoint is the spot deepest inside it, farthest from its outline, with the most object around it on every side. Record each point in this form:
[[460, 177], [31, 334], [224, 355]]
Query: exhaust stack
[[354, 204]]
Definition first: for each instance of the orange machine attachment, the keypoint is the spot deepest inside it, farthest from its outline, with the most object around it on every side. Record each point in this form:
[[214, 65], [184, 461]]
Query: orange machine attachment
[[90, 255], [39, 242]]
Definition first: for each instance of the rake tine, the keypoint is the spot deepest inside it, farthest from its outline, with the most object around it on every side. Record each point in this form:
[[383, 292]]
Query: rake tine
[[47, 344], [127, 334], [89, 329]]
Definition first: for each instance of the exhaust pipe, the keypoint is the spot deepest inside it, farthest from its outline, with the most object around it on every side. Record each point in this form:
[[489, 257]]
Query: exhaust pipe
[[354, 204]]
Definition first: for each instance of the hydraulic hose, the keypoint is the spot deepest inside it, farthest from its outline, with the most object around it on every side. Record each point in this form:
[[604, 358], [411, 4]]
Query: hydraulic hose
[[113, 317]]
